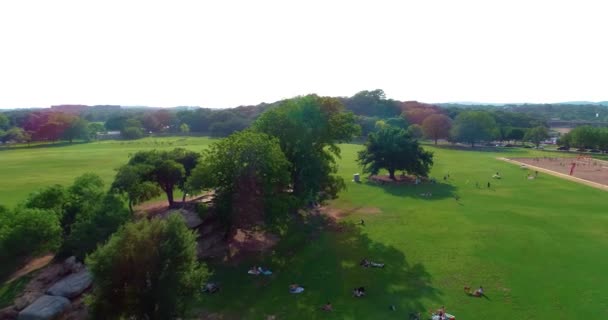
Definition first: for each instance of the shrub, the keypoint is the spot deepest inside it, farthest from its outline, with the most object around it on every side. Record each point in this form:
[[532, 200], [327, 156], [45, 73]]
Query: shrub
[[131, 281], [28, 231]]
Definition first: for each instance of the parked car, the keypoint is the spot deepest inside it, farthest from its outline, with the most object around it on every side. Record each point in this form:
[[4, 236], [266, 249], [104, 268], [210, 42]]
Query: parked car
[[581, 150], [563, 148], [595, 151]]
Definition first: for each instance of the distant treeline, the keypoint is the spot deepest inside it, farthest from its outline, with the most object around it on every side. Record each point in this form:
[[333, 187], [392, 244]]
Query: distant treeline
[[77, 122], [559, 111]]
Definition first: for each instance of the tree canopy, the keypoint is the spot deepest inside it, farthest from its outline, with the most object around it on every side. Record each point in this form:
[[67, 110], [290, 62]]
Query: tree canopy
[[167, 169], [308, 129], [472, 127], [537, 135], [248, 172], [436, 126], [133, 281], [394, 149]]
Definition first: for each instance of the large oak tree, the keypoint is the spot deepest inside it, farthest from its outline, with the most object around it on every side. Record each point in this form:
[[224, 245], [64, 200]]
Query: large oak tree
[[394, 149]]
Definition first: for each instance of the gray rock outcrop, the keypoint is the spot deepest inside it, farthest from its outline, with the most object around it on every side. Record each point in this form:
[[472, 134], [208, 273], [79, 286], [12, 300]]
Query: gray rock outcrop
[[72, 285], [45, 308]]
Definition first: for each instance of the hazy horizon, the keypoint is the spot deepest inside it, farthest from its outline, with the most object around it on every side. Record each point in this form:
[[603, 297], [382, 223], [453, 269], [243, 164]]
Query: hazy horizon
[[231, 53]]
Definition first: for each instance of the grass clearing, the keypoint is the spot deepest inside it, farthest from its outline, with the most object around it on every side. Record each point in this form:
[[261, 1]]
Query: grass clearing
[[536, 246]]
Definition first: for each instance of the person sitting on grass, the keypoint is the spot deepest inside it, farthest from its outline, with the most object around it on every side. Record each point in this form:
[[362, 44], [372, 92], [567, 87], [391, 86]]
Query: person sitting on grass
[[359, 292], [476, 293], [254, 271], [327, 307]]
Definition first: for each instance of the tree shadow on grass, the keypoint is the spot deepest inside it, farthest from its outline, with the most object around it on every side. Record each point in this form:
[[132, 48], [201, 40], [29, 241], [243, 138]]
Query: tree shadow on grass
[[426, 190], [482, 148], [42, 145], [323, 256]]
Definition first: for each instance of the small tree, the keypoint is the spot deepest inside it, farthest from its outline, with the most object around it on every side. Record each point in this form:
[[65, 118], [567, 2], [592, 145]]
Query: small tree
[[167, 169], [394, 149], [129, 180], [436, 126], [184, 128], [537, 135], [147, 270]]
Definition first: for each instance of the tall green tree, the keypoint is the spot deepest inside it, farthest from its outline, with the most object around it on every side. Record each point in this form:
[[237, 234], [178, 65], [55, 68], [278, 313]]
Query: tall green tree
[[394, 149], [250, 176], [473, 127], [537, 135], [131, 281], [309, 129]]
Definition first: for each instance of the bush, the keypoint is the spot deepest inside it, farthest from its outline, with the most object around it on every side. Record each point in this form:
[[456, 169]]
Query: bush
[[131, 281], [94, 229], [25, 231]]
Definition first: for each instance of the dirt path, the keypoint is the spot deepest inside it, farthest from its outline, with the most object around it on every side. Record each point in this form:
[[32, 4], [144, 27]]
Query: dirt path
[[558, 174], [31, 265]]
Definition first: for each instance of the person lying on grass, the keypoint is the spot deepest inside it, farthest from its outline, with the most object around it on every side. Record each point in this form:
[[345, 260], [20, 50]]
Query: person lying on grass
[[476, 293], [254, 271], [327, 307], [366, 263], [295, 288]]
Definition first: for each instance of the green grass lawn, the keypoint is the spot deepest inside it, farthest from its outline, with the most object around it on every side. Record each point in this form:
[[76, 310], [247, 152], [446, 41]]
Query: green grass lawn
[[24, 170], [537, 246]]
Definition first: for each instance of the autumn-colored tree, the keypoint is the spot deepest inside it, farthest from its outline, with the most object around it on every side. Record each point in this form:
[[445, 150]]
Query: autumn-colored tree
[[436, 126]]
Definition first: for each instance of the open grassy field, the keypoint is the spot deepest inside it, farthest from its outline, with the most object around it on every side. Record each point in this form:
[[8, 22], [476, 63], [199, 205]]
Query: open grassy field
[[536, 246], [24, 170]]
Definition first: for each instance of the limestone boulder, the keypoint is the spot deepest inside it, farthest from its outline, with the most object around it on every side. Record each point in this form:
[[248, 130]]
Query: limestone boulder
[[72, 285], [45, 308]]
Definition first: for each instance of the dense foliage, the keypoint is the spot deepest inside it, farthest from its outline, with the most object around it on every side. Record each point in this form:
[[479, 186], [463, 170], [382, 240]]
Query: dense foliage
[[167, 169], [250, 176], [586, 137], [472, 127], [394, 149], [147, 270], [308, 129]]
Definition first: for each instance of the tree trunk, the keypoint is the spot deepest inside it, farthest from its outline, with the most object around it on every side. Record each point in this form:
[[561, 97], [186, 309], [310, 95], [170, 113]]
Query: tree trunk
[[131, 206], [391, 173], [436, 141], [169, 193], [184, 197]]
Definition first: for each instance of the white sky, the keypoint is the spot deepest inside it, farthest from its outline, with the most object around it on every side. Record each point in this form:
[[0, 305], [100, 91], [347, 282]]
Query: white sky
[[226, 53]]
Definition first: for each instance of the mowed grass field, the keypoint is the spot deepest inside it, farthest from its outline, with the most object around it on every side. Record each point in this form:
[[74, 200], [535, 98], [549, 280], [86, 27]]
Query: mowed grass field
[[538, 247], [25, 170]]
